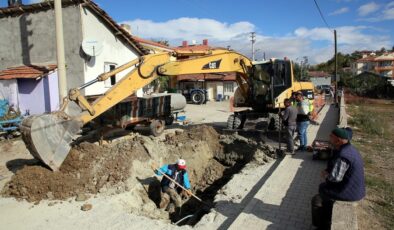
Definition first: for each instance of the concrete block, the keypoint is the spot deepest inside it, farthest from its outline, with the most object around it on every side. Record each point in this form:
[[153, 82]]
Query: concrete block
[[344, 216]]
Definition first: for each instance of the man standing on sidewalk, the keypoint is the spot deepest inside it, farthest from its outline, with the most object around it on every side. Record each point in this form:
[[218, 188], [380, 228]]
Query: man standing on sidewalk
[[302, 120], [289, 116], [344, 179]]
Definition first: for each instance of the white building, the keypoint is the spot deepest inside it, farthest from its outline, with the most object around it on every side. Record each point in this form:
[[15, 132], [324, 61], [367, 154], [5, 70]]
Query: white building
[[28, 38]]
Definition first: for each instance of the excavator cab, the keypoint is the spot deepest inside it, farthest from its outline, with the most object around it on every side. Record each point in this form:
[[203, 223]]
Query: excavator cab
[[269, 79]]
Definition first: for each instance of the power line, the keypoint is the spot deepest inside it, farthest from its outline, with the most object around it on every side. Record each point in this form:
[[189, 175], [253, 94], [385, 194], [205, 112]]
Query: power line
[[322, 16]]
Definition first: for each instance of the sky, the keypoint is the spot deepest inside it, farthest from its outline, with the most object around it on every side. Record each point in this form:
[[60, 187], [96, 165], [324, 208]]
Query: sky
[[284, 28]]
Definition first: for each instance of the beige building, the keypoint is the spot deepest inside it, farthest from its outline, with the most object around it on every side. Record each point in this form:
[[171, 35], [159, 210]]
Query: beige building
[[382, 65], [385, 65], [217, 86]]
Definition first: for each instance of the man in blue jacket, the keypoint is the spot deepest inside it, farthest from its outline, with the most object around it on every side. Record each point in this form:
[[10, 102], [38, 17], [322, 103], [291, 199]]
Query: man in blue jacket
[[171, 191], [344, 179]]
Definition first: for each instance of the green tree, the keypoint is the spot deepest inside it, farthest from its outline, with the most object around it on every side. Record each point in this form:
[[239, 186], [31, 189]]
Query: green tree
[[162, 42]]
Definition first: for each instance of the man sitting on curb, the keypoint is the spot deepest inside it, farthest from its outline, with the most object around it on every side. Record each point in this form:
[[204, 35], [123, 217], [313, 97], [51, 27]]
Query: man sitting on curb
[[344, 179], [171, 191]]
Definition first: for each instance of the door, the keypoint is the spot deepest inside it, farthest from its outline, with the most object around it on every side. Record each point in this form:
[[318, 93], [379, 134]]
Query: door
[[211, 88]]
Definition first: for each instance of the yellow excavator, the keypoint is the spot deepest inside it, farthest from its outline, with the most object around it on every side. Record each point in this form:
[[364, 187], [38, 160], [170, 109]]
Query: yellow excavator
[[261, 89]]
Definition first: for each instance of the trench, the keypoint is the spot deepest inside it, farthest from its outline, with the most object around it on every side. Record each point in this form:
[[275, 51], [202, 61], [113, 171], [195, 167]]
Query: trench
[[197, 209], [232, 158], [124, 167]]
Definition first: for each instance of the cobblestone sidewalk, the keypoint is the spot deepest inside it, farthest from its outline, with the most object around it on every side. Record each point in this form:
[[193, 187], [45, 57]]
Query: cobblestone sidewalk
[[283, 202]]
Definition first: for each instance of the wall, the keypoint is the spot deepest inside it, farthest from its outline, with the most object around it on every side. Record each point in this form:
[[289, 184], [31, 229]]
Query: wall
[[38, 96], [53, 94], [114, 51], [212, 90], [30, 39], [234, 87], [321, 81], [9, 91]]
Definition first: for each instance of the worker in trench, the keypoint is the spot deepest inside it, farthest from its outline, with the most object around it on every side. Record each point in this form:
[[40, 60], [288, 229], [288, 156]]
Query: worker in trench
[[172, 193]]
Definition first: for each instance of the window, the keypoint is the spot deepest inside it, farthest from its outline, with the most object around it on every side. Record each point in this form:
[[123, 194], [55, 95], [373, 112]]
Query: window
[[111, 80], [228, 87]]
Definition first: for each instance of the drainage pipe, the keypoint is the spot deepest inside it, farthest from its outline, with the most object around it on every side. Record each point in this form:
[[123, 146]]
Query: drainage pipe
[[184, 218]]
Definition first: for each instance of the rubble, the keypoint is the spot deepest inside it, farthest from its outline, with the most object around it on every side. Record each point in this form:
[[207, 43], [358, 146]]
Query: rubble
[[86, 207]]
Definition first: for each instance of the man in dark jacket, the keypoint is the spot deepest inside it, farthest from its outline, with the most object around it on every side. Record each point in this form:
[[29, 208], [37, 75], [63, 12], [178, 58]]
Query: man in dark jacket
[[289, 116], [171, 191], [344, 179]]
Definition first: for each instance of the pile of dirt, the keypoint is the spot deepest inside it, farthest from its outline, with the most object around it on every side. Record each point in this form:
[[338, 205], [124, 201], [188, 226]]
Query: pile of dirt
[[87, 169], [204, 133]]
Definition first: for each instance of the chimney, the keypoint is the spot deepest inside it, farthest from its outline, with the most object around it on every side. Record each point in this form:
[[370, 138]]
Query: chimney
[[184, 43], [205, 42], [14, 3], [126, 27]]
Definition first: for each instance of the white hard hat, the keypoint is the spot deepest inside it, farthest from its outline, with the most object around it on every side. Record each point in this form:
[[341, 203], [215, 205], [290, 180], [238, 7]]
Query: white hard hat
[[181, 164]]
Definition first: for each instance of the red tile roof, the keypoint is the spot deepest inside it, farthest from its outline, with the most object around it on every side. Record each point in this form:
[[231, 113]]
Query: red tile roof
[[367, 59], [193, 48], [207, 77], [149, 42], [32, 71], [318, 74]]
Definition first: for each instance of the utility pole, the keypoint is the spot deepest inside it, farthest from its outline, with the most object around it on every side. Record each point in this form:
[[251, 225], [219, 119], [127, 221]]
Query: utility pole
[[336, 66], [61, 66], [253, 39], [301, 65]]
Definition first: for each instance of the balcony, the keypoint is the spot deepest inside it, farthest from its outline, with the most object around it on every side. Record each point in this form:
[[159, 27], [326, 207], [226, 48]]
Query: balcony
[[383, 68]]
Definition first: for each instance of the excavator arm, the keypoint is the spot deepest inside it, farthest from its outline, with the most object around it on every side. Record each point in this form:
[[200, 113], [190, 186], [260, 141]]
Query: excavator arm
[[48, 136]]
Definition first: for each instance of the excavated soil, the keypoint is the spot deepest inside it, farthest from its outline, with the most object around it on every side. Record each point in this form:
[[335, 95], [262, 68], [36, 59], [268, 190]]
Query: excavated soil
[[87, 168], [124, 165]]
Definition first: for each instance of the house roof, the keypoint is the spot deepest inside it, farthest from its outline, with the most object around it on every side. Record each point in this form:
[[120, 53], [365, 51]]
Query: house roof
[[366, 59], [32, 72], [318, 74], [193, 48], [207, 77], [383, 57], [115, 28], [152, 43]]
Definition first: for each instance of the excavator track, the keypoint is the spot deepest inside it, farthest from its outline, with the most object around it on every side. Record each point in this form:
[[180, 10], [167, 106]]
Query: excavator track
[[48, 137]]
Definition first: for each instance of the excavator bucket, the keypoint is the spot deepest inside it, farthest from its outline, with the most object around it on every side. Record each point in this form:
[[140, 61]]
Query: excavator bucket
[[48, 137]]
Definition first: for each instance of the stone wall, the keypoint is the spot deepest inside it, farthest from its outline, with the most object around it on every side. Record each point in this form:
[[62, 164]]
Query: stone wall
[[344, 214]]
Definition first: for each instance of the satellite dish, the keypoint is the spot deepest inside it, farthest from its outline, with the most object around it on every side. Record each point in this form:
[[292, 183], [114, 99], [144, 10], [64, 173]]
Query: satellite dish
[[92, 47]]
